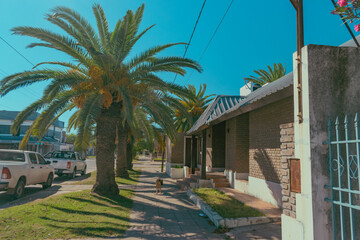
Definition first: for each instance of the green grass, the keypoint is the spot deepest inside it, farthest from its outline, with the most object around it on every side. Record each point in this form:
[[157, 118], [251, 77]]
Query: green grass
[[159, 159], [72, 215], [224, 205], [91, 157], [90, 180]]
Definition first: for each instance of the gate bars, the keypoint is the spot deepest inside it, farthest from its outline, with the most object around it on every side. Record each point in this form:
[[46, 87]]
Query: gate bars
[[344, 178]]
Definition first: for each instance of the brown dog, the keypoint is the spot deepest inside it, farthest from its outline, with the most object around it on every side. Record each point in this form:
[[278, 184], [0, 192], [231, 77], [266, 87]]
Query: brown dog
[[158, 185]]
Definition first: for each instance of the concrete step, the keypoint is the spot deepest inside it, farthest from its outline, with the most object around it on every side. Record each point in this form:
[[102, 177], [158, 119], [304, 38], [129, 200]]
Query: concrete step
[[191, 182], [194, 177], [218, 180], [221, 184], [183, 185], [215, 176]]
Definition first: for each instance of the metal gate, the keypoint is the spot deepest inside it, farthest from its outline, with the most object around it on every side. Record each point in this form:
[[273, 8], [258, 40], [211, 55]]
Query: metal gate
[[344, 168]]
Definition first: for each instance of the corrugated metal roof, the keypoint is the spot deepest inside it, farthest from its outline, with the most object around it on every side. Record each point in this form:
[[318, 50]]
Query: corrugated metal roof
[[209, 115], [219, 106]]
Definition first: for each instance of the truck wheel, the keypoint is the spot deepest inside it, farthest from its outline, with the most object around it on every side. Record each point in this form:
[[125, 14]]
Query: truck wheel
[[83, 171], [73, 174], [19, 189], [48, 182]]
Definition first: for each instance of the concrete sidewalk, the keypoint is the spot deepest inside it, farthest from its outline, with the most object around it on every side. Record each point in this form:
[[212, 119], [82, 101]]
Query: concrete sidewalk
[[170, 215]]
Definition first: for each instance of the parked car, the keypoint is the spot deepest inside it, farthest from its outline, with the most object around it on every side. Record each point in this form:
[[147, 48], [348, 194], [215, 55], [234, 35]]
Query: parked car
[[20, 168], [67, 162]]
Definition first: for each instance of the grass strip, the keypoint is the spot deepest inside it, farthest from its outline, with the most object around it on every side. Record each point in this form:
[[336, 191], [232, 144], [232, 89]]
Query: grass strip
[[224, 205], [91, 177], [71, 215]]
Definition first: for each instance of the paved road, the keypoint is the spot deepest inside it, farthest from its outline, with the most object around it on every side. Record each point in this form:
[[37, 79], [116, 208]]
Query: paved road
[[170, 215], [6, 200]]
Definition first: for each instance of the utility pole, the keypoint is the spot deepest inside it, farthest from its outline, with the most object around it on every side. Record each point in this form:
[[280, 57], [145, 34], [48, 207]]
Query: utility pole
[[298, 5]]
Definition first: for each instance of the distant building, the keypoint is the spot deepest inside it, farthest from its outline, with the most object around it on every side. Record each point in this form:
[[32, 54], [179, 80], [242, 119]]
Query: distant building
[[53, 139]]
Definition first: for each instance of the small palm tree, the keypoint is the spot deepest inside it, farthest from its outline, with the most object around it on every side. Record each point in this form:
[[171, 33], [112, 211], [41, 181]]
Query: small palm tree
[[104, 80], [267, 76], [195, 104]]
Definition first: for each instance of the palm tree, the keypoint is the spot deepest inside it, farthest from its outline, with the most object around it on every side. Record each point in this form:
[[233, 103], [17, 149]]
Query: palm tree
[[195, 104], [103, 81], [267, 76]]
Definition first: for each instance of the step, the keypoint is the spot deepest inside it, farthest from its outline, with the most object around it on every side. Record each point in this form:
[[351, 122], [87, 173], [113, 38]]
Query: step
[[194, 177], [221, 184], [191, 182], [218, 180], [183, 185]]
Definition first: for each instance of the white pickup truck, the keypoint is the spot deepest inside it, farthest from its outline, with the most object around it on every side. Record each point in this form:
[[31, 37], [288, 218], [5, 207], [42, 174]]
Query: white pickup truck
[[67, 162], [20, 168]]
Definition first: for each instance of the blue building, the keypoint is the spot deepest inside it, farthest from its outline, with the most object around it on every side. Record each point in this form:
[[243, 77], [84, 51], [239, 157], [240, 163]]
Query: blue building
[[53, 139]]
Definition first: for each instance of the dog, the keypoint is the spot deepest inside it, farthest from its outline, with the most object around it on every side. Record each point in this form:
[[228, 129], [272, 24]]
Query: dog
[[158, 182]]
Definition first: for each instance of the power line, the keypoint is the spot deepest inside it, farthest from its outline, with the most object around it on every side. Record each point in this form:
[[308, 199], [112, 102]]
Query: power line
[[192, 34], [212, 37], [17, 51]]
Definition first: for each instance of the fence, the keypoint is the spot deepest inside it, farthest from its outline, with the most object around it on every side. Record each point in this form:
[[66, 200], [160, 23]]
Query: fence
[[344, 168]]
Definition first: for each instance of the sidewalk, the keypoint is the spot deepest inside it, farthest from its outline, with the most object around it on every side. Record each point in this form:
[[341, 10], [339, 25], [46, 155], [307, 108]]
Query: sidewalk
[[170, 215]]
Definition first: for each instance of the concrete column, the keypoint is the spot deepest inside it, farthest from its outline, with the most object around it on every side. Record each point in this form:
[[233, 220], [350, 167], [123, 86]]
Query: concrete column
[[330, 88], [203, 160], [193, 153]]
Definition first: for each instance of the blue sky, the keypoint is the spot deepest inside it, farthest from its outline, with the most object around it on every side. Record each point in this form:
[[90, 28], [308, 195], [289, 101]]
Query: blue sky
[[251, 37]]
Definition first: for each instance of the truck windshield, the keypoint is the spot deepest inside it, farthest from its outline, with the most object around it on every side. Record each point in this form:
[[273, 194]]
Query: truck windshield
[[12, 156], [64, 155]]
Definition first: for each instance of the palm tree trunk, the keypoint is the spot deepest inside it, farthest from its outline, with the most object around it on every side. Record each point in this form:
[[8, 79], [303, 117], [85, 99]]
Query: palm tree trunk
[[121, 159], [105, 147], [129, 153]]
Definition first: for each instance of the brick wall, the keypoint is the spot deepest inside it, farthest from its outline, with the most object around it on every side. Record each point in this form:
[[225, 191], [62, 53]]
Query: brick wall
[[287, 151], [264, 140], [230, 147]]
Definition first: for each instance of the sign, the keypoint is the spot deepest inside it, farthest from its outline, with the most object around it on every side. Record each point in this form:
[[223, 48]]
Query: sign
[[295, 175]]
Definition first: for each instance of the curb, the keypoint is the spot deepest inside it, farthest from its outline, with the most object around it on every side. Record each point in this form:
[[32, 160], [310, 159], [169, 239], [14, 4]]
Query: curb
[[226, 222]]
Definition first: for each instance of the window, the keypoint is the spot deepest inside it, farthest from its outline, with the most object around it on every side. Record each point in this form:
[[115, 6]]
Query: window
[[48, 155], [32, 157], [23, 129], [12, 156], [4, 129], [41, 159]]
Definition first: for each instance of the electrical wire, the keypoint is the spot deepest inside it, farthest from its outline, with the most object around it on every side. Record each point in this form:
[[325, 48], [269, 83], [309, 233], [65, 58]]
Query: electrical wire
[[212, 37], [17, 51], [192, 34]]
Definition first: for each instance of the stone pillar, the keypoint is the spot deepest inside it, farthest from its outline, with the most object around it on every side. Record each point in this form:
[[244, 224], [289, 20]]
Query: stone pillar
[[287, 151]]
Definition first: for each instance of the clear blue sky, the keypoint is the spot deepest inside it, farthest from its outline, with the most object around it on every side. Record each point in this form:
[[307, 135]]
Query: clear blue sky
[[252, 36]]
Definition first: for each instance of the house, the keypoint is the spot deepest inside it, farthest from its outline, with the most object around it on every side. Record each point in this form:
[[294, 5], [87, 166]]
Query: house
[[53, 139], [178, 152], [243, 141]]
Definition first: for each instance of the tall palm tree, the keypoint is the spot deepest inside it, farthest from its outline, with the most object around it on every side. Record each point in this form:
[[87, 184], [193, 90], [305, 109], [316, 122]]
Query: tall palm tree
[[264, 76], [195, 104], [103, 81]]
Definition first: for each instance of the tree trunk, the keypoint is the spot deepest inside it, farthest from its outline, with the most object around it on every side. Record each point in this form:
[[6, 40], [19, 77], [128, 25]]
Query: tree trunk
[[121, 159], [105, 146], [129, 152]]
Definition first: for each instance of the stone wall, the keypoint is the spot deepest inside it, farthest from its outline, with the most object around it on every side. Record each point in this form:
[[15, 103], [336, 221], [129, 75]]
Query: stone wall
[[287, 151]]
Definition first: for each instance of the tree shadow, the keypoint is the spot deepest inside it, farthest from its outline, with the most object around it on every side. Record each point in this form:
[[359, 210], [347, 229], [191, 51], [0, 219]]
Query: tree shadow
[[269, 171]]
